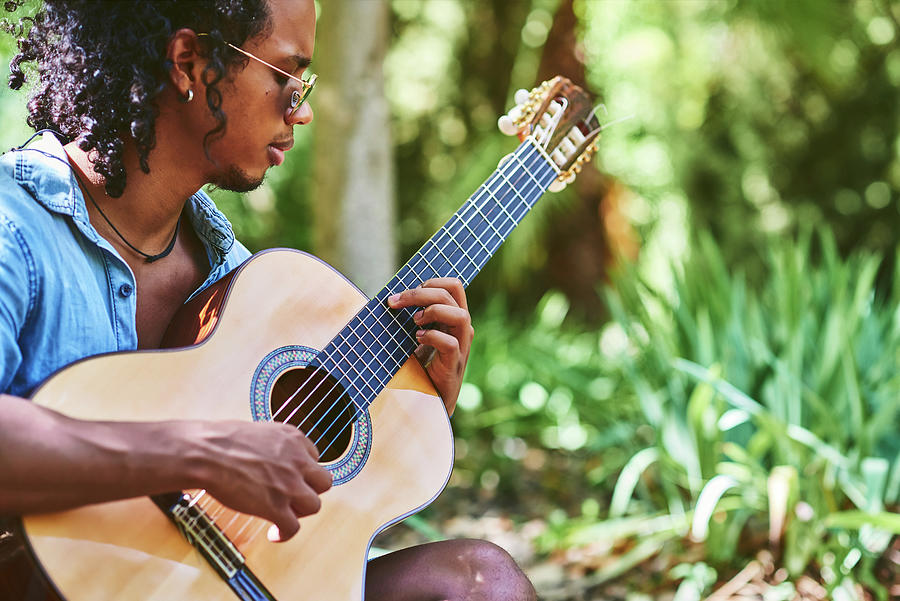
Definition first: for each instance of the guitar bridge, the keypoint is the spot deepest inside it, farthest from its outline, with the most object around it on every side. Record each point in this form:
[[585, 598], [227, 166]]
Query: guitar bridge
[[202, 533]]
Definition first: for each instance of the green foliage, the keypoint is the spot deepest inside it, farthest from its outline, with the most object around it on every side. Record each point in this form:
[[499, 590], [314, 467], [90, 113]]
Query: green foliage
[[758, 115], [775, 410], [542, 411]]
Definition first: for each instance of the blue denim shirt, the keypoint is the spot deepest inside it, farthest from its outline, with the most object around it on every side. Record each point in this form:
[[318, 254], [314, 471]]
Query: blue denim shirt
[[65, 293]]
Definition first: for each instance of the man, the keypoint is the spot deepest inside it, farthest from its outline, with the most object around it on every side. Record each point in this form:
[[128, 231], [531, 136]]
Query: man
[[104, 235]]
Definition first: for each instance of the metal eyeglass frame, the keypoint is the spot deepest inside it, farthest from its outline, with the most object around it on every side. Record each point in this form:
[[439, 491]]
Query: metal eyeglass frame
[[297, 98]]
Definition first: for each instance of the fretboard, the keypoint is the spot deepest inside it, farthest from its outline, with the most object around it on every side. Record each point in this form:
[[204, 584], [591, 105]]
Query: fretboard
[[370, 349]]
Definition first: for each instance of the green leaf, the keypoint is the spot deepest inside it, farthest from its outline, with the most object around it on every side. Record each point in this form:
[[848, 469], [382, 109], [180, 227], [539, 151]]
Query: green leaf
[[854, 520], [629, 478]]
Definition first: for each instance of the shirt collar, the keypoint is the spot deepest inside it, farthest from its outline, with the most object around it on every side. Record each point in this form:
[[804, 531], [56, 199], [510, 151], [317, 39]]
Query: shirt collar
[[42, 168]]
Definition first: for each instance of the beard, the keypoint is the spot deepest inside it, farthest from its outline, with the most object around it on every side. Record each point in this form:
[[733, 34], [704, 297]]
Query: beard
[[235, 179]]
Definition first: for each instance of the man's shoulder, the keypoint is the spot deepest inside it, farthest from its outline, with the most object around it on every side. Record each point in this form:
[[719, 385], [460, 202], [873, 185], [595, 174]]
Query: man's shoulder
[[17, 204], [36, 180]]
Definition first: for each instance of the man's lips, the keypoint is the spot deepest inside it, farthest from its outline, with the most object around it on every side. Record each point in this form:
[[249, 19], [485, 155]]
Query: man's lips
[[283, 146], [277, 150]]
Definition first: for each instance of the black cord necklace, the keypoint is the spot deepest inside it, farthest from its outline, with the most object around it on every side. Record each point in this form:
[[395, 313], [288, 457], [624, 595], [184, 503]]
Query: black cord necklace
[[148, 257]]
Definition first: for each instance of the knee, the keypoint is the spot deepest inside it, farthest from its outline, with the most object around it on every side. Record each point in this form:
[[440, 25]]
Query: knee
[[492, 573]]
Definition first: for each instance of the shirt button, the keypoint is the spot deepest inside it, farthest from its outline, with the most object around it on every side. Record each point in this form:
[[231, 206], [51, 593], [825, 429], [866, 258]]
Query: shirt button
[[126, 290]]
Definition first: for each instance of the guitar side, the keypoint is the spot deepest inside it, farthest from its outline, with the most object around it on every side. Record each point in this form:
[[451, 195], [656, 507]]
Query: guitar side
[[130, 550]]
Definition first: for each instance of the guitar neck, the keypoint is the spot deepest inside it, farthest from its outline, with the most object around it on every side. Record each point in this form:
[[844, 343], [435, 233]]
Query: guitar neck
[[463, 245], [378, 340]]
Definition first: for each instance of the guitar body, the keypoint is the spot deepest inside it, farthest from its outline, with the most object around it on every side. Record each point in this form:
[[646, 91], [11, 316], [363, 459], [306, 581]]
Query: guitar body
[[265, 319]]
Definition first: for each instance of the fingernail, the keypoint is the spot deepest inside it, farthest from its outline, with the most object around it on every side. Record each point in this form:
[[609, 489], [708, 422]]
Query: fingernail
[[393, 298], [417, 316], [273, 534], [420, 333]]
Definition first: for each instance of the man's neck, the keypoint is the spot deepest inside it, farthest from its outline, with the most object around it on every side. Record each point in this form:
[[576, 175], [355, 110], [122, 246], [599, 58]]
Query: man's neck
[[147, 212]]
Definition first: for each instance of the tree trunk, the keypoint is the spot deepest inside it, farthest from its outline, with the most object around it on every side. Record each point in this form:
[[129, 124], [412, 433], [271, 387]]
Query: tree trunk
[[353, 184]]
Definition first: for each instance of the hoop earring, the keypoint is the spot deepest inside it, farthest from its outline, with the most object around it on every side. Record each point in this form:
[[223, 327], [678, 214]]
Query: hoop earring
[[189, 97]]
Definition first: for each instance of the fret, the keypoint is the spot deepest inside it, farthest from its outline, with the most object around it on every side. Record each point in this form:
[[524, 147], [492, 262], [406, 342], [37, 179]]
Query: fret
[[467, 218], [465, 253], [512, 219], [445, 230], [361, 359], [399, 282], [472, 220], [489, 253], [423, 255], [378, 340], [528, 173], [341, 369]]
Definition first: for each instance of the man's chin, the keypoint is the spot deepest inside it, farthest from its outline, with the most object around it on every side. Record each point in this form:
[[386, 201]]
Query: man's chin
[[237, 180]]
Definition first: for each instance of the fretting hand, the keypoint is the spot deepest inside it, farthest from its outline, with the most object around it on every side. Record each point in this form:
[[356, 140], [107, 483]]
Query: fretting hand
[[445, 327]]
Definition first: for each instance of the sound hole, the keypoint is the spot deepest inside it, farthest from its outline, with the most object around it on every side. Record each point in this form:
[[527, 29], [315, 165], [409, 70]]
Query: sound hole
[[312, 400]]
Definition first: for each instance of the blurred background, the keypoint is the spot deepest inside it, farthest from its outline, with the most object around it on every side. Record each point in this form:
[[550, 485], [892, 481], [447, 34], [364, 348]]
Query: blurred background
[[686, 374]]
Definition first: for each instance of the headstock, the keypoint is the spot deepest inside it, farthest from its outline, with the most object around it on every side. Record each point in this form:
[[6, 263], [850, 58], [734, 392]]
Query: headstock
[[559, 117]]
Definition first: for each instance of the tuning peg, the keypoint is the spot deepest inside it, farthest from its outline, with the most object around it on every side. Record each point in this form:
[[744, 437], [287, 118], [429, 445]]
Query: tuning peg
[[522, 96], [557, 186], [506, 125]]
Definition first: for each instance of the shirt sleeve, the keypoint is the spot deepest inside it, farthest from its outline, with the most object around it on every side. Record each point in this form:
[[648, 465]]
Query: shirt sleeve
[[17, 292]]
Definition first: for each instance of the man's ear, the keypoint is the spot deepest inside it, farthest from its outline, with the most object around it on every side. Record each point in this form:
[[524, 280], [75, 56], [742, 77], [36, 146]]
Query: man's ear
[[187, 62]]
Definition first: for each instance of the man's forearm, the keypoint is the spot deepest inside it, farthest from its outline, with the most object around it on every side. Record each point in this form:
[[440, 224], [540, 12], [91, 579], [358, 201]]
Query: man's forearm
[[51, 462]]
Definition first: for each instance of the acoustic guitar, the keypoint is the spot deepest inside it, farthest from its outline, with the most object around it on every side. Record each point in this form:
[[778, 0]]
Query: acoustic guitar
[[286, 337]]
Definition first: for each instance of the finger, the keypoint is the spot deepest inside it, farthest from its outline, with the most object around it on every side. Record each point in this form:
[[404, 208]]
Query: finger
[[422, 297], [319, 479], [306, 502], [279, 535], [306, 445], [446, 345], [452, 285], [285, 525], [456, 318], [310, 446]]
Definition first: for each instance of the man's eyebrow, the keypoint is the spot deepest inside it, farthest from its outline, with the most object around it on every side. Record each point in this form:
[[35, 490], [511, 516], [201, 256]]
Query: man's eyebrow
[[299, 61]]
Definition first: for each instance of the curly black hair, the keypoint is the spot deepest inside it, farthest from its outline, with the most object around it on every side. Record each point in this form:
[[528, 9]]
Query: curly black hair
[[100, 65]]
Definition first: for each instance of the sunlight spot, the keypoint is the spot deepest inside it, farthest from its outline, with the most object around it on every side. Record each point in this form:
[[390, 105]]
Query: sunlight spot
[[878, 195], [880, 31], [533, 396], [536, 28], [847, 201], [843, 57], [560, 402], [613, 340], [572, 436], [489, 479], [469, 397]]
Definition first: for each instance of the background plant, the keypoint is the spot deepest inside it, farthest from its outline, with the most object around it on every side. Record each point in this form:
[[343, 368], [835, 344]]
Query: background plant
[[775, 408]]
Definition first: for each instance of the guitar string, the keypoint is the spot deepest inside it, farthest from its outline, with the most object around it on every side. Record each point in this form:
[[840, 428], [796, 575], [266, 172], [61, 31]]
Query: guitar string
[[527, 207], [528, 203], [361, 359], [402, 326], [362, 318], [423, 256], [500, 240], [376, 337], [352, 329]]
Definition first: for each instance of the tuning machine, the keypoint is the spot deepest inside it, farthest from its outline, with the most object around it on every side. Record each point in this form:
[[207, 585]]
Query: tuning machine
[[517, 120]]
